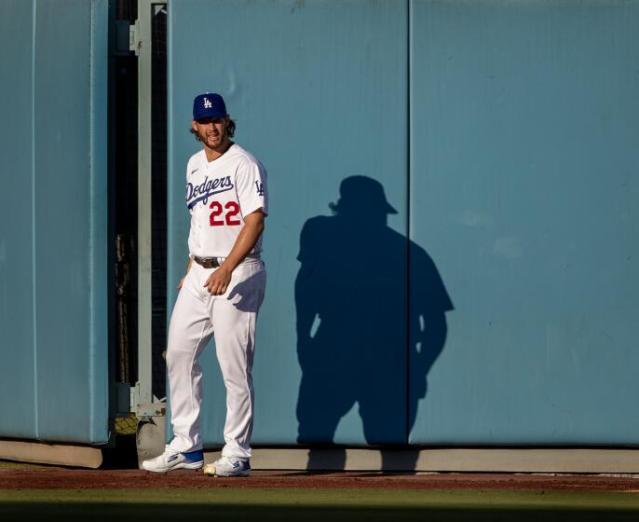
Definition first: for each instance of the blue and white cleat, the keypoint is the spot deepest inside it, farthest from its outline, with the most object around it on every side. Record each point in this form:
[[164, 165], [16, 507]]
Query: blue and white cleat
[[171, 459], [229, 467]]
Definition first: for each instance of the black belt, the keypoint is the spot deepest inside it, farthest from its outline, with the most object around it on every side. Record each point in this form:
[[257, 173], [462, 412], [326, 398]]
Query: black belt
[[207, 262], [213, 262]]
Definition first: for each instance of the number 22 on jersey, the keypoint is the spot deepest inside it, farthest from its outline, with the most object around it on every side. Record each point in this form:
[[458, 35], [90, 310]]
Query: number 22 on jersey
[[220, 218]]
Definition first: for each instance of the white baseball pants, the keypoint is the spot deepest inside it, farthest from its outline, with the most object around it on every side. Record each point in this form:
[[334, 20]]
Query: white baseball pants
[[230, 318]]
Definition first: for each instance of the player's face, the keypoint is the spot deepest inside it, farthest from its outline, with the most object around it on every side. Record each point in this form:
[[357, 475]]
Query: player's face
[[212, 132]]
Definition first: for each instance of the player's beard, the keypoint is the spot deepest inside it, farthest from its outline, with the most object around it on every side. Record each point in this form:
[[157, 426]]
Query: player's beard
[[215, 140]]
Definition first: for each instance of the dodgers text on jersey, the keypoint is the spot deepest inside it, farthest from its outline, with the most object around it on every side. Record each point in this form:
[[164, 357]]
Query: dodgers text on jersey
[[206, 189]]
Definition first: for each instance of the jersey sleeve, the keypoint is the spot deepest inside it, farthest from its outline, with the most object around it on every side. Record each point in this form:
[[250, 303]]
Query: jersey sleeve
[[192, 240], [251, 188], [189, 168]]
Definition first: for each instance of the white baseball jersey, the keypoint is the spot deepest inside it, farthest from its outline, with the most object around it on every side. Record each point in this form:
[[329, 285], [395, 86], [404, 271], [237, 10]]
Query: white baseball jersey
[[218, 195]]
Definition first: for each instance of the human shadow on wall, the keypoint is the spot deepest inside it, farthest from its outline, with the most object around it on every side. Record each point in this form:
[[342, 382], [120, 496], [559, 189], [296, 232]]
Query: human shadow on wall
[[353, 325]]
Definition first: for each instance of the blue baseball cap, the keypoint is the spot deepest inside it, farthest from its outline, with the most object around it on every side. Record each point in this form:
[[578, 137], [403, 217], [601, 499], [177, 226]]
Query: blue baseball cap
[[209, 105]]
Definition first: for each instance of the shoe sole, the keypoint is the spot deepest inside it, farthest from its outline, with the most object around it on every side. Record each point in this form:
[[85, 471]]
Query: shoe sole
[[181, 465]]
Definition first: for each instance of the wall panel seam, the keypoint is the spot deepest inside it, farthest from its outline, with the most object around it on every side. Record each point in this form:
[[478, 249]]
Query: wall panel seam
[[33, 220], [407, 281], [92, 222]]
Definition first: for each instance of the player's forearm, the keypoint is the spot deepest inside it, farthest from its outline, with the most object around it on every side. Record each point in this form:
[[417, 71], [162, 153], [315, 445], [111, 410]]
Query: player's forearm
[[246, 240]]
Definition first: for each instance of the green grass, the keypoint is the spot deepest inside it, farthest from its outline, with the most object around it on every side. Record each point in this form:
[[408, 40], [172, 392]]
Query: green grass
[[327, 505]]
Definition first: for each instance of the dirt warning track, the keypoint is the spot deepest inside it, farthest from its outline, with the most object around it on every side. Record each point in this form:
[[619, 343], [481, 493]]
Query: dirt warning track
[[64, 478]]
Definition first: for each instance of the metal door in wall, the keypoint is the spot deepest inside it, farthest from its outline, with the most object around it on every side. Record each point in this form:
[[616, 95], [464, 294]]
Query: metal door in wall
[[53, 229], [319, 93]]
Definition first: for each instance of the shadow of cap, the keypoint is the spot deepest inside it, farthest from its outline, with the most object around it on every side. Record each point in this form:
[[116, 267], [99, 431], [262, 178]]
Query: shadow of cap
[[361, 193]]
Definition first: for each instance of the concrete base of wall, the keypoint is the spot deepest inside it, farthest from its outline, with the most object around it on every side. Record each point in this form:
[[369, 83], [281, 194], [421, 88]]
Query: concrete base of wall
[[609, 461], [44, 453], [530, 460]]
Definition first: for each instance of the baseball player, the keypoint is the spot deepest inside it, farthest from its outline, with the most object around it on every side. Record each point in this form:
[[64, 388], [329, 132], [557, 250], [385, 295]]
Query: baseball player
[[220, 294]]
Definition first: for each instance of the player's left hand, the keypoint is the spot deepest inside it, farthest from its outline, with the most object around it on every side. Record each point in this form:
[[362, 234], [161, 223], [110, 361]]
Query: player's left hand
[[218, 281]]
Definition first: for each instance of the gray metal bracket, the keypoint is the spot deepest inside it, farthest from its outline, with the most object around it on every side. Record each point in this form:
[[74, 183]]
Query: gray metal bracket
[[142, 400], [143, 410]]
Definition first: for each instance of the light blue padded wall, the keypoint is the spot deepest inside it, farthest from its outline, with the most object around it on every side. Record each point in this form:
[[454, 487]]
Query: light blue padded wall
[[524, 170], [17, 378], [318, 91], [523, 159], [53, 242]]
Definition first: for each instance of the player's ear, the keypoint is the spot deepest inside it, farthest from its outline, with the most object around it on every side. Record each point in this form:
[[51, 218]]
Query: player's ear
[[194, 125]]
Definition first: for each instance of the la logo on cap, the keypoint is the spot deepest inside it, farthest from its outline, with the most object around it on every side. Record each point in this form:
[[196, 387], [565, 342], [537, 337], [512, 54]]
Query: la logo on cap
[[206, 106]]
